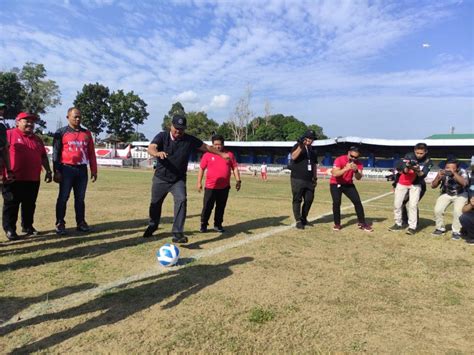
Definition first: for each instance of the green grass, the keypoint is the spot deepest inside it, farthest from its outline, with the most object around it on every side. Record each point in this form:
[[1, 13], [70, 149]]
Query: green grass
[[296, 291]]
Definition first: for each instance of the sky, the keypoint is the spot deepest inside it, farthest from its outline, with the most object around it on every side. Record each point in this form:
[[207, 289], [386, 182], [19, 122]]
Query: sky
[[378, 69]]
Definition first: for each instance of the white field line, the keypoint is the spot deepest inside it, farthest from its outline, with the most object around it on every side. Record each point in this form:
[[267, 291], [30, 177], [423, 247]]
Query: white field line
[[53, 306]]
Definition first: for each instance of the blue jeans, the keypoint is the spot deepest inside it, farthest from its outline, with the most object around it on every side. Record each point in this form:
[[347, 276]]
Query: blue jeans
[[73, 178]]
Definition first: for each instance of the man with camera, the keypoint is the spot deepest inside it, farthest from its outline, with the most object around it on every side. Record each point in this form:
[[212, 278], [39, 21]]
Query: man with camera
[[345, 168], [453, 181], [303, 177], [412, 172]]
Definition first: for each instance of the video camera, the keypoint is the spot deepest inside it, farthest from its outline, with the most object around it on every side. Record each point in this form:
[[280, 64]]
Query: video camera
[[410, 163], [392, 175]]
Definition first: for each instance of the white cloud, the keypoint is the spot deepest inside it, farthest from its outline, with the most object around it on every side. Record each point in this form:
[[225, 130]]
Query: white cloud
[[426, 45], [219, 101], [187, 97]]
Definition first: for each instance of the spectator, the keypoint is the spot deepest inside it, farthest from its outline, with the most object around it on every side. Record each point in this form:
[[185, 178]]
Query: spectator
[[263, 171], [4, 154], [27, 156]]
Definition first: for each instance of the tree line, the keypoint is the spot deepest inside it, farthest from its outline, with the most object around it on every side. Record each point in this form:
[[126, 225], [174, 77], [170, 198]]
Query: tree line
[[120, 113]]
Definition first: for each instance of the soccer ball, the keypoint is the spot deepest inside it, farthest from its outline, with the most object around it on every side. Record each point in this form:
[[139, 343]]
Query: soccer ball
[[168, 255]]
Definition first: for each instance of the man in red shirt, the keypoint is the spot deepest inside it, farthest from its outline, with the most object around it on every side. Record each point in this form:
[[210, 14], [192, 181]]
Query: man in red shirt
[[73, 150], [345, 168], [27, 156], [217, 183]]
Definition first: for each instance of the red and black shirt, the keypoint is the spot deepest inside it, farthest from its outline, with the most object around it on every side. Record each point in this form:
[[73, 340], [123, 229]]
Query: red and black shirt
[[73, 147]]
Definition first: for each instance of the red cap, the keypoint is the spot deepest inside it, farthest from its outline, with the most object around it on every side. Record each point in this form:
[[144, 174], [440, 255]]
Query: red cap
[[23, 115]]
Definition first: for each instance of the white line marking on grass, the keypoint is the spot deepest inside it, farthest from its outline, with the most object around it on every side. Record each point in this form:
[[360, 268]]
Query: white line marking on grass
[[48, 307]]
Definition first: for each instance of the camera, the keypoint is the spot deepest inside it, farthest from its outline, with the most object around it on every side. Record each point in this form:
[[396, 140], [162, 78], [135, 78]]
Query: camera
[[391, 176], [448, 173], [410, 163]]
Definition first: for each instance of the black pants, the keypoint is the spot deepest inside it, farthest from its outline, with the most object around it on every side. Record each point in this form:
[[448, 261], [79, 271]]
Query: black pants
[[404, 206], [159, 191], [16, 194], [73, 178], [303, 191], [351, 192], [467, 223], [213, 197]]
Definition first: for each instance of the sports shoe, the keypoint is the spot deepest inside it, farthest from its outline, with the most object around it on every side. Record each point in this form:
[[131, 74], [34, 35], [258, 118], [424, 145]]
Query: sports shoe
[[336, 227], [219, 229], [30, 231], [456, 236], [304, 221], [410, 231], [150, 230], [395, 228], [179, 238], [83, 227], [203, 228], [438, 232], [365, 227], [299, 225], [60, 229], [11, 235]]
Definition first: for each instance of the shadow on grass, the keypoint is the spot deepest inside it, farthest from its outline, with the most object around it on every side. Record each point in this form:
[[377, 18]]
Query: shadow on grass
[[247, 227], [9, 306], [116, 305]]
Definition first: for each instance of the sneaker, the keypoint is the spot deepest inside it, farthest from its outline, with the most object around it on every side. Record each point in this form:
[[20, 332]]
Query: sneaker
[[83, 227], [365, 227], [149, 231], [60, 229], [304, 221], [396, 228], [11, 235], [30, 231], [179, 238], [410, 231], [456, 236], [336, 227], [219, 229], [438, 232], [203, 228], [299, 225]]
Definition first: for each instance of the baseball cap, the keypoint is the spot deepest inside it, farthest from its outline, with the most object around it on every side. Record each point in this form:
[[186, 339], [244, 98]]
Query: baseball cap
[[179, 121], [23, 115], [310, 134]]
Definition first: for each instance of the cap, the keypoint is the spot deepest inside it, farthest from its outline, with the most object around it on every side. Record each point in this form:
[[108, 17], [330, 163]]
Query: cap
[[23, 115], [310, 134], [179, 121], [354, 148]]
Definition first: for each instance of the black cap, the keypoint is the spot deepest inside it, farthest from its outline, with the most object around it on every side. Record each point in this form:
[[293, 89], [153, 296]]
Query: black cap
[[310, 134], [179, 121]]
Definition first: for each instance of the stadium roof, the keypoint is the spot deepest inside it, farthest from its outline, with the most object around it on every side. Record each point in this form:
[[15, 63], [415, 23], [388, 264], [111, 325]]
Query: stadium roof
[[452, 136]]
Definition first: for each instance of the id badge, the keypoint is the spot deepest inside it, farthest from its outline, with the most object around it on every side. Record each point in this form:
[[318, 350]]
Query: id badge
[[310, 167]]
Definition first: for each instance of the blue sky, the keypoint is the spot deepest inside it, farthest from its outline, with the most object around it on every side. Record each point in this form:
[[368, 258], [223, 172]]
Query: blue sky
[[386, 69]]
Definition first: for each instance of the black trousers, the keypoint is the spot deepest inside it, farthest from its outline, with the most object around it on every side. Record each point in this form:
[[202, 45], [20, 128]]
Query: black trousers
[[351, 192], [16, 194], [467, 223], [217, 197], [303, 191], [404, 206]]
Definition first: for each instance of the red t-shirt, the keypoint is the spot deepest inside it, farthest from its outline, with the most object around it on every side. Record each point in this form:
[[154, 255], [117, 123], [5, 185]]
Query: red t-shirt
[[26, 153], [408, 178], [348, 176], [218, 170]]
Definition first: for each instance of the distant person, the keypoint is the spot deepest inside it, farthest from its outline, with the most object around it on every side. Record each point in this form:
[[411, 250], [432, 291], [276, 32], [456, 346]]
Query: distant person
[[412, 169], [345, 168], [453, 181], [4, 154], [263, 171], [217, 185], [73, 150], [173, 149], [303, 178], [27, 155]]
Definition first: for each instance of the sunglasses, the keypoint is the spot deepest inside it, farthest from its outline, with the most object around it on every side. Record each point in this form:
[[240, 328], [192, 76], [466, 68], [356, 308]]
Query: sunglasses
[[353, 157]]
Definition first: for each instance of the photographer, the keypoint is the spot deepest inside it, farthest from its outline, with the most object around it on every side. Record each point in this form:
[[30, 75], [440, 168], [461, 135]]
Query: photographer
[[453, 181], [412, 169], [303, 177]]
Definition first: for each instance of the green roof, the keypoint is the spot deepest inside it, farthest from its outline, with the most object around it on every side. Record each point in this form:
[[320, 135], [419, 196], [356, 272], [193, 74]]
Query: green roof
[[452, 136]]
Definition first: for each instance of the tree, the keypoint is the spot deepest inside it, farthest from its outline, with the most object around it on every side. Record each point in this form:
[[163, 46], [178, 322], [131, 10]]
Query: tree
[[40, 94], [318, 130], [93, 102], [137, 137], [240, 119], [225, 131], [176, 108], [12, 94], [126, 111], [199, 125]]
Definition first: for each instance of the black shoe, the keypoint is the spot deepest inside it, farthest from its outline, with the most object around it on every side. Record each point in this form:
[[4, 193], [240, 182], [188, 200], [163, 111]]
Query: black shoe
[[149, 231], [179, 238], [60, 229], [395, 228], [410, 231], [219, 229], [203, 228], [83, 227], [30, 231], [299, 225], [11, 235], [304, 221]]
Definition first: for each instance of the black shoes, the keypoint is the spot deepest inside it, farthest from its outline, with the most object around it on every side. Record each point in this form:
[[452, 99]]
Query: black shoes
[[179, 238], [149, 231], [299, 225], [219, 228], [30, 231], [60, 229], [83, 227], [396, 228], [11, 235], [203, 228]]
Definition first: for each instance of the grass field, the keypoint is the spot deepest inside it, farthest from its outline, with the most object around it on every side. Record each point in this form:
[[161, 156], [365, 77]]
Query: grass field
[[259, 287]]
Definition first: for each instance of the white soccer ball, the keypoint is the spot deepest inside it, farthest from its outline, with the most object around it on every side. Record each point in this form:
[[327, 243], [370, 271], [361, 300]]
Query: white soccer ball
[[168, 255]]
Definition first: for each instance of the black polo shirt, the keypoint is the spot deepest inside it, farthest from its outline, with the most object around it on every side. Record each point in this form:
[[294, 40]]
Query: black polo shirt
[[299, 166], [174, 167]]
